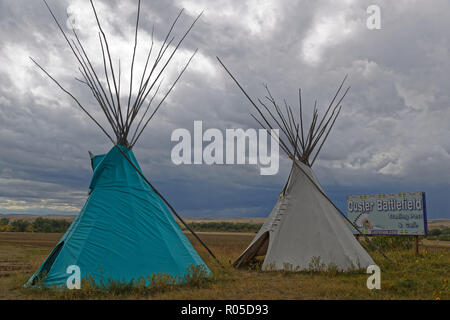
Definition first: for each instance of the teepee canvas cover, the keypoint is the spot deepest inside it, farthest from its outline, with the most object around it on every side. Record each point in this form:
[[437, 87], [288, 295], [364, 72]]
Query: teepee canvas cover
[[305, 229], [124, 231], [304, 226]]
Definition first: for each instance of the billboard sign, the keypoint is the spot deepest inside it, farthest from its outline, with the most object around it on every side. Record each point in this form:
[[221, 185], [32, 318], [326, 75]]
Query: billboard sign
[[388, 214]]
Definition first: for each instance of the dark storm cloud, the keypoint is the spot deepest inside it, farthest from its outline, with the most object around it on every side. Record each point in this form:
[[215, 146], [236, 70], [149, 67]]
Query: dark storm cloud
[[391, 135]]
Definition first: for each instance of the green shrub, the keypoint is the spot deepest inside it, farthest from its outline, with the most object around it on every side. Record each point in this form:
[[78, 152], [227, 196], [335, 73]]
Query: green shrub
[[20, 226], [39, 225], [196, 276], [439, 234], [434, 232], [50, 225], [393, 242], [4, 221]]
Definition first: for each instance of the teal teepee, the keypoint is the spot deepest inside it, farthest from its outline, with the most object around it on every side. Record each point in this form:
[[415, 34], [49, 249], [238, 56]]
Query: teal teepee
[[126, 229]]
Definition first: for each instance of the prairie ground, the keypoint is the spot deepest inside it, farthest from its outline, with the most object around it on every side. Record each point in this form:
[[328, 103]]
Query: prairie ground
[[406, 276]]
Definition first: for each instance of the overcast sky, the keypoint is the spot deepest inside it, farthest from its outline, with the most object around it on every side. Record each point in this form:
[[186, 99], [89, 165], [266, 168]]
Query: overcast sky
[[392, 134]]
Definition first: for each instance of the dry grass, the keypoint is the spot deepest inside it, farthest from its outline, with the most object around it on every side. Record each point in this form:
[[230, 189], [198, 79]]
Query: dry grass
[[407, 277]]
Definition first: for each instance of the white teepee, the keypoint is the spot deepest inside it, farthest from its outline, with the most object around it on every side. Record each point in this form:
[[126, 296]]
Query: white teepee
[[305, 230]]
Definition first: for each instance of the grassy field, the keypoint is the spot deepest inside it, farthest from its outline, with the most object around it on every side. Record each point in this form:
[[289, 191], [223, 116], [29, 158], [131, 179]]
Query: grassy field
[[406, 277]]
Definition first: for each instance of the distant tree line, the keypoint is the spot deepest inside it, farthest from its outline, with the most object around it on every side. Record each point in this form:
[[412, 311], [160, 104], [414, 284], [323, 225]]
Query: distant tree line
[[38, 225], [46, 225], [224, 226], [60, 225]]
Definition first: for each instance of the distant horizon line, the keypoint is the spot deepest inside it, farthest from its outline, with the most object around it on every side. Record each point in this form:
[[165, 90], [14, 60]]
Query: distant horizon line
[[189, 217]]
